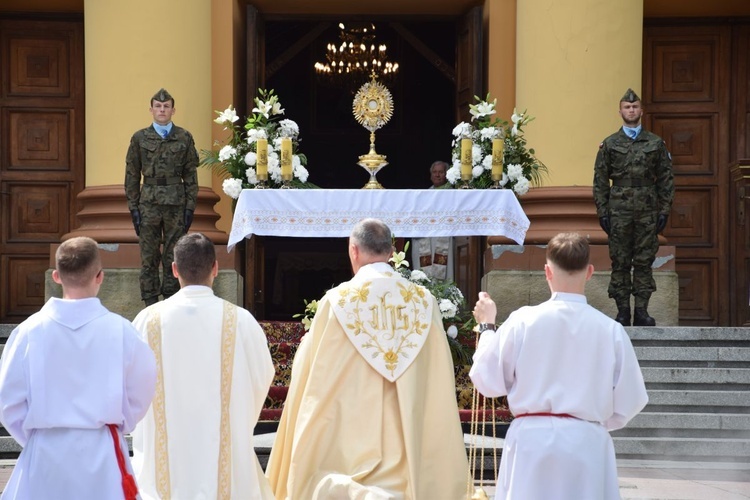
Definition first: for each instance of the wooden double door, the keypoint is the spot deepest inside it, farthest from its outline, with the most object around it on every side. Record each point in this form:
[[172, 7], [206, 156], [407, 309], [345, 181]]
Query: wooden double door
[[696, 95], [42, 141]]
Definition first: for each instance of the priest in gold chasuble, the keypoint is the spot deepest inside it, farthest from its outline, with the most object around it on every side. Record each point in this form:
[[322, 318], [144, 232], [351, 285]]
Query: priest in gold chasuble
[[371, 411]]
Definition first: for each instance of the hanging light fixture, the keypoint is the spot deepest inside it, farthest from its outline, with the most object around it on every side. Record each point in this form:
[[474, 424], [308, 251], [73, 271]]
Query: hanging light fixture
[[352, 61]]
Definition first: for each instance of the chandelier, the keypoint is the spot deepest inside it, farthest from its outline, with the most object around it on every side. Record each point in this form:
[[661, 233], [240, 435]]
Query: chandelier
[[355, 58]]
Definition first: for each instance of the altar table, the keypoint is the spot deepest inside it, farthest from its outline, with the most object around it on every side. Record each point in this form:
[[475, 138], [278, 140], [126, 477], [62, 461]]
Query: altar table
[[409, 213]]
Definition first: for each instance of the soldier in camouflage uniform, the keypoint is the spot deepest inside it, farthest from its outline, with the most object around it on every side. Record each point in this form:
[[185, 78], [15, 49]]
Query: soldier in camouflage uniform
[[634, 208], [162, 207]]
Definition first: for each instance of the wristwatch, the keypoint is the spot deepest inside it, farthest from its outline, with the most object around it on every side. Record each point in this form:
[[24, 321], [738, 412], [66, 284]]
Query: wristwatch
[[481, 327]]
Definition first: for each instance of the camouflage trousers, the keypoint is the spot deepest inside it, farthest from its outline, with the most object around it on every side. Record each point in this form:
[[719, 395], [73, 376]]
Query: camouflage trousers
[[161, 227], [633, 244]]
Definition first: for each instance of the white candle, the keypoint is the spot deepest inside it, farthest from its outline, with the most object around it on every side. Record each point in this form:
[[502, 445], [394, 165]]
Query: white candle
[[286, 159], [466, 159], [497, 159], [261, 152]]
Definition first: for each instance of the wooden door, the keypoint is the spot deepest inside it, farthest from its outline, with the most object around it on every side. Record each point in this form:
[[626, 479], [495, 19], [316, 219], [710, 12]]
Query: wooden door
[[469, 83], [686, 94], [41, 152], [254, 249], [739, 202]]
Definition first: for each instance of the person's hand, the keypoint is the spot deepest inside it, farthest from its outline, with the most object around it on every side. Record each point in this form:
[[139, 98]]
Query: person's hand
[[135, 214], [188, 219], [661, 223], [605, 223], [485, 310]]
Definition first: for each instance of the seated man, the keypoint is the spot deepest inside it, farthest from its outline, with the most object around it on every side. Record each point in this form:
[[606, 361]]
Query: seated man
[[434, 256], [371, 410]]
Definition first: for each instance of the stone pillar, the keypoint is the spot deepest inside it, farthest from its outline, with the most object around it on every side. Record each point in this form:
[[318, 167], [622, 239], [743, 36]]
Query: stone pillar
[[132, 49], [574, 60]]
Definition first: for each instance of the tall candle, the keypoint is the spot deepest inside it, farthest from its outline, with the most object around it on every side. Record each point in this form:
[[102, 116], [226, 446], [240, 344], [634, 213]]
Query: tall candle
[[286, 158], [466, 159], [497, 159], [261, 151]]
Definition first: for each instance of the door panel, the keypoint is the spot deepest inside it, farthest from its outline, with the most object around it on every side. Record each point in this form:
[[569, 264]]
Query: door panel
[[469, 83], [42, 152], [686, 94], [739, 205]]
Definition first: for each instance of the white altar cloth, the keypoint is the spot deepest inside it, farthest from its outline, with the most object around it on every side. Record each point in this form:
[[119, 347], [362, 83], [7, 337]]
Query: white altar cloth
[[410, 213]]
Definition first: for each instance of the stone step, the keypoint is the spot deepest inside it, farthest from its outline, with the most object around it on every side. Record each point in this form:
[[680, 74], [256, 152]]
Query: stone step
[[702, 401], [695, 336], [729, 421], [715, 376], [693, 425], [680, 448], [739, 355]]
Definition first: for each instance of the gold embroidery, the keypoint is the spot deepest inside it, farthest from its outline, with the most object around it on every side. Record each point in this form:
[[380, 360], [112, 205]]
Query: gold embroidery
[[161, 449], [388, 323], [228, 335]]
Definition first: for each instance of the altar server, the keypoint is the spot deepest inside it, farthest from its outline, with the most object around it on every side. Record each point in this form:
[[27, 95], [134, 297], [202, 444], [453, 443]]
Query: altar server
[[213, 374], [571, 376], [73, 378], [371, 411]]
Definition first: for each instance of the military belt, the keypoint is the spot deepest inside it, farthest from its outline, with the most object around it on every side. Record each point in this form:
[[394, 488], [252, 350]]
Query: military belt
[[633, 183], [162, 181]]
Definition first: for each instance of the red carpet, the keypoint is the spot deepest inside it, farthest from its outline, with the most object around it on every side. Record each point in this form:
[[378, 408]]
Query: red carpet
[[283, 339]]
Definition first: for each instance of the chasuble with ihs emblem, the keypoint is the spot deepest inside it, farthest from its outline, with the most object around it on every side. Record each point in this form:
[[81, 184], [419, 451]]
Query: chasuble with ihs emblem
[[387, 321], [371, 410]]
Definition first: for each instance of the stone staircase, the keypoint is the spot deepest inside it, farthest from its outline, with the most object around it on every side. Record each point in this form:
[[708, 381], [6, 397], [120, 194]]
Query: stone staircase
[[698, 381]]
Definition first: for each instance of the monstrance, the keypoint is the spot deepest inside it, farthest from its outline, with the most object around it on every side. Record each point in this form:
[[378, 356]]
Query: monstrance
[[373, 107]]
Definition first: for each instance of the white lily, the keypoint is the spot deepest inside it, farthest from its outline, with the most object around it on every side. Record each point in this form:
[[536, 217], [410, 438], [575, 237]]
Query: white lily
[[481, 109], [228, 116], [263, 108]]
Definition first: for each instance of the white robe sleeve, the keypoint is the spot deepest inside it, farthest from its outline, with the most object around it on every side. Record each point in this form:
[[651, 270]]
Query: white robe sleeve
[[493, 371], [14, 389], [630, 395], [259, 360], [139, 378]]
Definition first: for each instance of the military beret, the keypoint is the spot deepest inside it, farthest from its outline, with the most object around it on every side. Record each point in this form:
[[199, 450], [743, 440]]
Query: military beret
[[630, 96], [162, 96]]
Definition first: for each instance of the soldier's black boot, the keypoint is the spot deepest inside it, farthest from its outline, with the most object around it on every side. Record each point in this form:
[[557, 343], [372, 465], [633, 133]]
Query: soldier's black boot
[[623, 315], [642, 318], [151, 300]]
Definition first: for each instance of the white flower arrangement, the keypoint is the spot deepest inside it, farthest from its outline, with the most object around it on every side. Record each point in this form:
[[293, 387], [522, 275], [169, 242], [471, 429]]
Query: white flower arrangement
[[456, 320], [237, 160], [521, 168]]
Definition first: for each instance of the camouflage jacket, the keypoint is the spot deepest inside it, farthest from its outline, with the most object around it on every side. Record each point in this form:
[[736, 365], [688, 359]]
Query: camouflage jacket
[[622, 158], [153, 157]]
